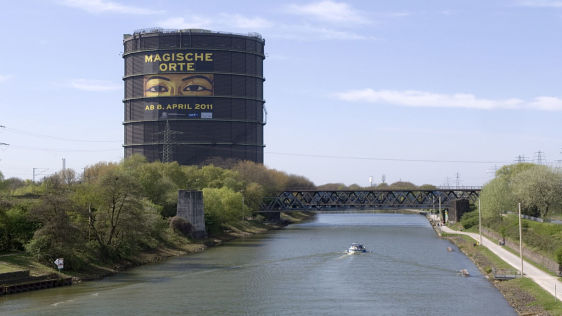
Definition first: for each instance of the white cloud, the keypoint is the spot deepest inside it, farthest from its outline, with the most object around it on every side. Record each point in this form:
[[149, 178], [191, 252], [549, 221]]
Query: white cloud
[[242, 22], [103, 6], [414, 98], [329, 11], [546, 103], [95, 85], [312, 32], [195, 22], [222, 21], [541, 3], [4, 78]]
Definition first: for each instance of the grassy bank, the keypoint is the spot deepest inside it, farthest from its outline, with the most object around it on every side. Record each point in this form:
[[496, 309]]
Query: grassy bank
[[176, 245], [525, 296]]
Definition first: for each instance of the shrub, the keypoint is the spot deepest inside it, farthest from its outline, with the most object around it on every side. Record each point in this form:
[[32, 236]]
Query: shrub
[[181, 225], [558, 255], [469, 219]]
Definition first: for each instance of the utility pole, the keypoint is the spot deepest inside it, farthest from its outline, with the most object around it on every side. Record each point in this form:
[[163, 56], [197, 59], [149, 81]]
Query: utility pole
[[63, 164], [38, 172], [442, 216], [458, 180], [479, 221], [540, 157], [371, 181], [520, 241], [520, 159], [167, 142]]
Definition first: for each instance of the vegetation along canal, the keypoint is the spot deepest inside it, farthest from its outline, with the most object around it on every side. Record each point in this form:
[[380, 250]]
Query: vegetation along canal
[[301, 269]]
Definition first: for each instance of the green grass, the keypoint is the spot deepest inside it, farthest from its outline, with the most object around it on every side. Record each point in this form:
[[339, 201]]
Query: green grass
[[496, 261], [5, 268], [20, 261], [544, 299]]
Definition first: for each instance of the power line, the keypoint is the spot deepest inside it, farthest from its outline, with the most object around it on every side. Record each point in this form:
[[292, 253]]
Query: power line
[[387, 159], [17, 131], [540, 157], [520, 159], [65, 149]]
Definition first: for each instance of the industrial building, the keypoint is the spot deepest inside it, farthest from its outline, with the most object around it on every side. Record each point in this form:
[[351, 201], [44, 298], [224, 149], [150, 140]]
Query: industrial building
[[193, 95]]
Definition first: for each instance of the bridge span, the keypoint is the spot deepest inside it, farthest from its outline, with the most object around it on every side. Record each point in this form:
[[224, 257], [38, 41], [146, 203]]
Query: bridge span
[[322, 200]]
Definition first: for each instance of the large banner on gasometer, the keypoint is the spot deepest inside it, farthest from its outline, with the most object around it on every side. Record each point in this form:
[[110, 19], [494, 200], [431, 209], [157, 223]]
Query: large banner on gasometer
[[181, 76]]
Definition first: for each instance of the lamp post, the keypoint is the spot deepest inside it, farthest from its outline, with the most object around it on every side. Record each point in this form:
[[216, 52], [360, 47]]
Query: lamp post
[[520, 240], [480, 221]]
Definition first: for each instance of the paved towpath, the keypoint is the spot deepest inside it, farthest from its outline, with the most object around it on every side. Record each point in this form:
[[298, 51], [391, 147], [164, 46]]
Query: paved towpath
[[546, 281]]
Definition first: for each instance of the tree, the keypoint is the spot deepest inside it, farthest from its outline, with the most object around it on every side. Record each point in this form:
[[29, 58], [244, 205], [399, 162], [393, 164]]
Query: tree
[[57, 236], [114, 205], [538, 189], [402, 185], [331, 187], [272, 181], [295, 182], [253, 196], [222, 206], [496, 198]]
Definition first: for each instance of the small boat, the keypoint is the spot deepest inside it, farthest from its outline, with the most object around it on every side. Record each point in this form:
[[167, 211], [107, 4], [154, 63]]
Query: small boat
[[356, 248]]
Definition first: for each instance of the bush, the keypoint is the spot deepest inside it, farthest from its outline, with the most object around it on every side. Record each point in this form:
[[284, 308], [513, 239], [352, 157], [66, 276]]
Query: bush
[[558, 255], [469, 219], [181, 225]]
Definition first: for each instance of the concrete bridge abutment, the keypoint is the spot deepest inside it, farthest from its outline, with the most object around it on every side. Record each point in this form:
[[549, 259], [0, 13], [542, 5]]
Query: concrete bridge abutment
[[191, 208]]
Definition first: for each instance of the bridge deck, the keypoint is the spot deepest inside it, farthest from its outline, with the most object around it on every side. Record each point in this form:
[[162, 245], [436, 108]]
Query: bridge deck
[[312, 200]]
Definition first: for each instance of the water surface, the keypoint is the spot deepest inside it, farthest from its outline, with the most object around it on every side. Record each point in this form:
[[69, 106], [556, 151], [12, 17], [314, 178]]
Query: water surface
[[299, 270]]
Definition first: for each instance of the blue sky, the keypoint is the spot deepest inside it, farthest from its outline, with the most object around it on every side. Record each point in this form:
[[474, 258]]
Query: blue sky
[[415, 91]]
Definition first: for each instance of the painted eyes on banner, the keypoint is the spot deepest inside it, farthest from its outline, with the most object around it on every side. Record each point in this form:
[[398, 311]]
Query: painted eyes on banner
[[157, 89], [178, 85], [195, 88], [196, 85]]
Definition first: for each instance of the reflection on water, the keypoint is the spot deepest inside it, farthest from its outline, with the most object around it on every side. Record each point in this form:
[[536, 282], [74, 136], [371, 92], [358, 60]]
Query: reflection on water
[[302, 269]]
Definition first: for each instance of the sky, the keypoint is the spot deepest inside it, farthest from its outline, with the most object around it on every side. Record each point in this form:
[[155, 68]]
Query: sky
[[432, 92]]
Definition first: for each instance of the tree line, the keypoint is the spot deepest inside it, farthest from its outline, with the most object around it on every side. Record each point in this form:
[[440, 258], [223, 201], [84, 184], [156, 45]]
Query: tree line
[[537, 187], [113, 211]]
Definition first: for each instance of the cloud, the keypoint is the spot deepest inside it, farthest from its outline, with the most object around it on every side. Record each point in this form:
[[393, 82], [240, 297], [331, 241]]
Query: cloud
[[105, 6], [330, 11], [412, 98], [195, 22], [541, 3], [242, 22], [313, 32], [223, 21], [95, 85], [4, 78]]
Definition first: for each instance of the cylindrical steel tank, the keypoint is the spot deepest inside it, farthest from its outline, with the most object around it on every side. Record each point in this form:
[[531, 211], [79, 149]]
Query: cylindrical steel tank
[[192, 96]]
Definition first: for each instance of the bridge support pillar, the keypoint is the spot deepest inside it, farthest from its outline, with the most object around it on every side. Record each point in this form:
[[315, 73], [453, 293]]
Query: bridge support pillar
[[457, 208], [191, 208], [272, 216]]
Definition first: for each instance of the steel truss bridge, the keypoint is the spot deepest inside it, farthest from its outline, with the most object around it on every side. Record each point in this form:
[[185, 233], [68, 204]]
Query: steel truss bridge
[[317, 200]]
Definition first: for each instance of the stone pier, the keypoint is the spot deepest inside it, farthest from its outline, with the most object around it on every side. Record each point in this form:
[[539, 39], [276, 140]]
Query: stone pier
[[190, 207]]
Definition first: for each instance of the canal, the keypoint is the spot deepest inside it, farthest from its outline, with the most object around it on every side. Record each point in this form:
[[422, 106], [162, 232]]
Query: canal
[[299, 270]]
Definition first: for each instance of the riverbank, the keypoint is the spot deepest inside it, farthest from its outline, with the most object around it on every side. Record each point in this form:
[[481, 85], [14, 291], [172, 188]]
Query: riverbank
[[525, 296], [176, 246]]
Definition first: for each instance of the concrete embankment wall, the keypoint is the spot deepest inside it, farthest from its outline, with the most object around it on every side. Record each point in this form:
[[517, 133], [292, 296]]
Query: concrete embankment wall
[[21, 281]]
